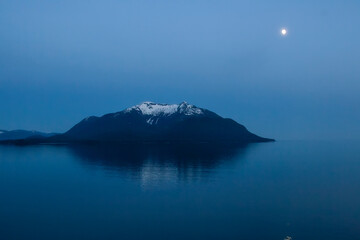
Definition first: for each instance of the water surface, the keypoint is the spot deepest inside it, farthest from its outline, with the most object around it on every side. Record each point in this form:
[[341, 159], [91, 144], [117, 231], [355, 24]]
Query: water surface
[[302, 189]]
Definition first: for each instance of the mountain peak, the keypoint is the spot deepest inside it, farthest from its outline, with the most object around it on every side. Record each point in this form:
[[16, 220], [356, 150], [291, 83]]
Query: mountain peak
[[160, 109]]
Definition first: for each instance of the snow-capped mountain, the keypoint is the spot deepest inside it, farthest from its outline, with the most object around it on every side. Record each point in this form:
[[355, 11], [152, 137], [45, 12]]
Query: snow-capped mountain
[[155, 122]]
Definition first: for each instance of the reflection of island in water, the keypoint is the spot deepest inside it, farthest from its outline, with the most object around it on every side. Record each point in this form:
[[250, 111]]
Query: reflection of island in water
[[167, 162]]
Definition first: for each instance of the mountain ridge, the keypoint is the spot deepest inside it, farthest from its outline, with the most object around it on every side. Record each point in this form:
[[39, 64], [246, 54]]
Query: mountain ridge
[[158, 123], [22, 134]]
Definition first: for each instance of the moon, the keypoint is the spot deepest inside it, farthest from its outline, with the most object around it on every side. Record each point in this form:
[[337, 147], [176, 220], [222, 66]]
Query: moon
[[284, 31]]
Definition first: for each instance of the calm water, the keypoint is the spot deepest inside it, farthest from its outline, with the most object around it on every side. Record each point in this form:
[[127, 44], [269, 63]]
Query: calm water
[[306, 190]]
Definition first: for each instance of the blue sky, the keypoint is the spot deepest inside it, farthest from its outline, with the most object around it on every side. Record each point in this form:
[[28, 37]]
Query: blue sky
[[61, 61]]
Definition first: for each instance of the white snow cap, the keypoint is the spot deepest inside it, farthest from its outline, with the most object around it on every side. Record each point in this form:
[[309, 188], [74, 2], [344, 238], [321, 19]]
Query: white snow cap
[[158, 109]]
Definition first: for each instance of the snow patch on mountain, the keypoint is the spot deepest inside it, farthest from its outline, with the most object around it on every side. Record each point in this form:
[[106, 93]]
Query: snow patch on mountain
[[189, 109], [155, 111], [158, 109]]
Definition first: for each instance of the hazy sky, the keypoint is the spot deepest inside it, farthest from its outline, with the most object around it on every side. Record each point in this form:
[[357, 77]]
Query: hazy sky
[[61, 61]]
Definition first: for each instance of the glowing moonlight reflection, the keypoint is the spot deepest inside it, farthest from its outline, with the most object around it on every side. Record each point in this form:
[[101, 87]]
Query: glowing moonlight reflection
[[283, 31]]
